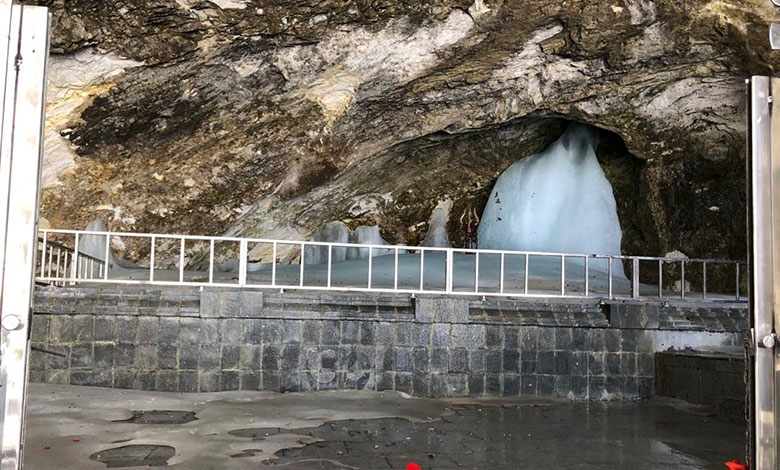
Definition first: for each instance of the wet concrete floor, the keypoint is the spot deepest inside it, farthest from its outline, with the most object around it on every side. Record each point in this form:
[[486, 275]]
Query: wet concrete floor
[[73, 427]]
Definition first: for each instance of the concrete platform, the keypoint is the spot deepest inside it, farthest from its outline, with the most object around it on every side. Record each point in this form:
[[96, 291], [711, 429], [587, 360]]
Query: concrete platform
[[72, 427], [714, 377]]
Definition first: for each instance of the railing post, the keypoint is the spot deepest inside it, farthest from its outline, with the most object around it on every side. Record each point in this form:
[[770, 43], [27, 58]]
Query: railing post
[[330, 263], [211, 261], [563, 275], [682, 279], [635, 278], [181, 261], [43, 251], [449, 272], [525, 276], [501, 276], [422, 269], [587, 274], [243, 254], [151, 258], [609, 276], [107, 256], [476, 272], [370, 264], [737, 286], [395, 270], [74, 262], [660, 278], [273, 265], [303, 248]]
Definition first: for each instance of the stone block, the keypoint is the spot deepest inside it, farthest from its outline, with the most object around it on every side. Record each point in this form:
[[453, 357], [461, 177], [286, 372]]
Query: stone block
[[229, 380], [384, 334], [311, 332], [210, 303], [292, 331], [290, 381], [167, 381], [511, 362], [291, 354], [230, 355], [189, 330], [331, 333], [271, 381], [250, 357], [253, 331], [188, 381], [458, 361], [251, 304], [230, 331], [209, 381], [385, 359], [167, 356], [493, 360], [528, 385], [511, 386], [61, 329], [148, 329], [124, 355], [169, 331], [271, 357], [350, 332], [385, 381], [367, 333], [440, 335], [80, 356], [189, 356]]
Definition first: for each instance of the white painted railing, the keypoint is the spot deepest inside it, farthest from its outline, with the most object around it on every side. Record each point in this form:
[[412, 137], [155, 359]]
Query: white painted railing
[[388, 268]]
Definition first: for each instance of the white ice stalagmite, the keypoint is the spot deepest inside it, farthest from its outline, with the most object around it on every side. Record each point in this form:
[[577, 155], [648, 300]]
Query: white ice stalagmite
[[558, 200], [437, 226]]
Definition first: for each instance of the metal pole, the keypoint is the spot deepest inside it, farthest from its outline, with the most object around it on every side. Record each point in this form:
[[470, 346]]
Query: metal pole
[[151, 258], [586, 275], [563, 275], [303, 247], [181, 260], [330, 262], [370, 264], [762, 171], [75, 259], [24, 40], [635, 278], [501, 276], [476, 272], [682, 279], [660, 278], [525, 276], [273, 265], [395, 270], [737, 286], [104, 272], [422, 269], [211, 261], [450, 261], [243, 252], [43, 252]]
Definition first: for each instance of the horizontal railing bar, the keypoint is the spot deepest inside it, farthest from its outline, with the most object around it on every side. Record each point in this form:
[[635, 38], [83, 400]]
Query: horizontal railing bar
[[387, 247]]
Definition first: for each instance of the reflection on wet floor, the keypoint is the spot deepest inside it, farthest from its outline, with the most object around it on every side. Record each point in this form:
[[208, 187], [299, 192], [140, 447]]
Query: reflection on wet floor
[[643, 435]]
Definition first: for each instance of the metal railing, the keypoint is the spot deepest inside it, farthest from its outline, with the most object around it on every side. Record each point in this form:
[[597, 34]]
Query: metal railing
[[387, 268], [58, 263]]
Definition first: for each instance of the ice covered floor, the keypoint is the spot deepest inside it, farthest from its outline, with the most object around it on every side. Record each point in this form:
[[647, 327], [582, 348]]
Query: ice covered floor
[[544, 275], [365, 430]]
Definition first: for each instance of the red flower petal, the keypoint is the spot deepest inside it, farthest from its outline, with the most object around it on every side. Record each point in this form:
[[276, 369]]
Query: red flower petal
[[413, 466]]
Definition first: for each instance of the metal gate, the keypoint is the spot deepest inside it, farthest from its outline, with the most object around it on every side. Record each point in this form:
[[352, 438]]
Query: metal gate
[[24, 42]]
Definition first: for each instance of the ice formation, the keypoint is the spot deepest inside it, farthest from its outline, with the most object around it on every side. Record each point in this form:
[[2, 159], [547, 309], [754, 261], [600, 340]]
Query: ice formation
[[437, 226], [558, 200], [338, 232]]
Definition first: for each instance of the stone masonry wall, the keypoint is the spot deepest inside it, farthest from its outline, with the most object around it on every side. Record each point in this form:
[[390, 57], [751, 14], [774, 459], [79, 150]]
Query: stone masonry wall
[[198, 341]]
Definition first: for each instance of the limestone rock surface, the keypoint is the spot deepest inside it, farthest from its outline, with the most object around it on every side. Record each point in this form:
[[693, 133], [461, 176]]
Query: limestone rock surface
[[272, 118]]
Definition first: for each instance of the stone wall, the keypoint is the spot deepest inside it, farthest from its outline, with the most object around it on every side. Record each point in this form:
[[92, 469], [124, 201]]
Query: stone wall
[[191, 341]]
